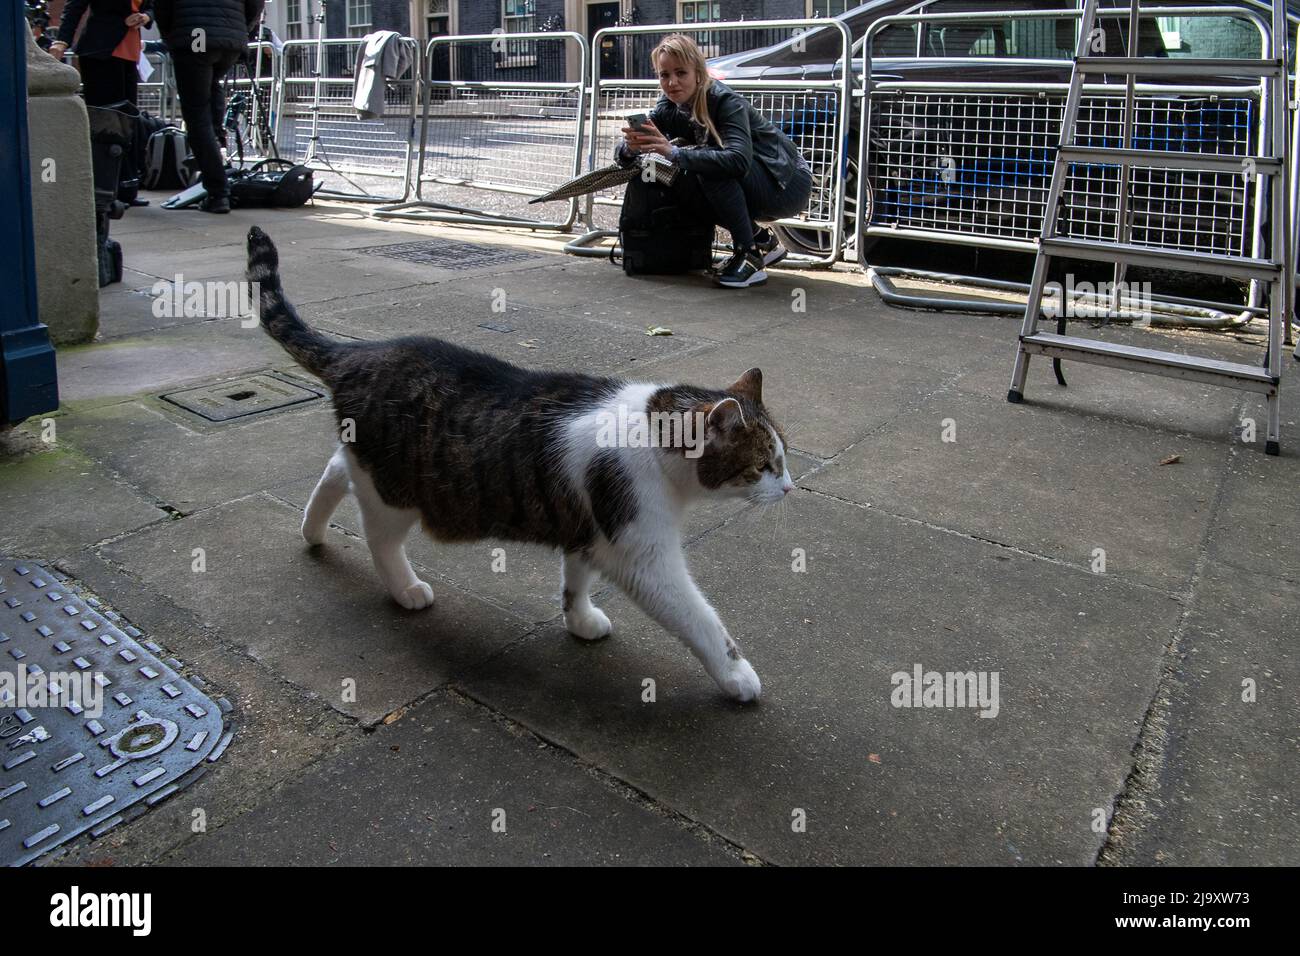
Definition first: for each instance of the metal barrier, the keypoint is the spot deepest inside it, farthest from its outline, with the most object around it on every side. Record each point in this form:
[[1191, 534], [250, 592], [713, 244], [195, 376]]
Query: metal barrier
[[813, 113], [511, 138], [971, 163], [317, 126], [251, 89], [157, 95]]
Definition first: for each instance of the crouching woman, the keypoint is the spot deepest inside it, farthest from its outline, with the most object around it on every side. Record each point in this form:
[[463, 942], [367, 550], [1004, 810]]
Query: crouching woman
[[747, 169]]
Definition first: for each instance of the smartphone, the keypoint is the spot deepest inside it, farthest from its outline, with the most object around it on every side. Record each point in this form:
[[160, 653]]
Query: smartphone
[[637, 121]]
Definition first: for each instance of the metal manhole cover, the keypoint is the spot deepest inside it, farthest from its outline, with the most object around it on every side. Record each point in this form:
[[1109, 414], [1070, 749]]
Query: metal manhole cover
[[92, 721], [446, 254], [241, 397]]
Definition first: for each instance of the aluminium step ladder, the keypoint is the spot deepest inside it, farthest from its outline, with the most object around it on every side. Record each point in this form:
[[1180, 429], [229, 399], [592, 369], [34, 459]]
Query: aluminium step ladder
[[1273, 273]]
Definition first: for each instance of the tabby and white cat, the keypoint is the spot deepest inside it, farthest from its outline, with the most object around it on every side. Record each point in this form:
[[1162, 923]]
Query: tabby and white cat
[[474, 447]]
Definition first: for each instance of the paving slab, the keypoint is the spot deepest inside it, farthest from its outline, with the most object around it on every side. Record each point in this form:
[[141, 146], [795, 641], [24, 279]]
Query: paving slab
[[1226, 794], [280, 731], [1046, 480], [128, 309], [1078, 657], [1166, 405], [316, 616], [55, 501], [105, 372], [426, 790], [687, 304], [534, 338], [188, 464], [1256, 529], [876, 334], [822, 398]]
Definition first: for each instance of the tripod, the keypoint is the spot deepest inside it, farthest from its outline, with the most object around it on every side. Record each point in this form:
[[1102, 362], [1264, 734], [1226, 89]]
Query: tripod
[[316, 156]]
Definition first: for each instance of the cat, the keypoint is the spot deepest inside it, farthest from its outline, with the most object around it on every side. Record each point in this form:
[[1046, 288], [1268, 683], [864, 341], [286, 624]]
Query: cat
[[475, 447]]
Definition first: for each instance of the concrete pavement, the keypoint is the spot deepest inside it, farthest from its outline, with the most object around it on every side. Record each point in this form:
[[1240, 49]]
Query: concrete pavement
[[1146, 709]]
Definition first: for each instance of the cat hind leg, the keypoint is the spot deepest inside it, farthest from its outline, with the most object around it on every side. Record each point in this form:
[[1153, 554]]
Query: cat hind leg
[[385, 529], [331, 488]]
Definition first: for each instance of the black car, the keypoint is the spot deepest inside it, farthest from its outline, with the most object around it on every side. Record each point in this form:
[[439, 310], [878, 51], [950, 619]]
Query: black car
[[965, 117]]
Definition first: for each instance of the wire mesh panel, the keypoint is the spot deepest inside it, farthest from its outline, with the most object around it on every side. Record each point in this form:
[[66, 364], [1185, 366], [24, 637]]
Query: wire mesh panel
[[812, 113], [318, 126], [980, 164], [502, 123], [1192, 210]]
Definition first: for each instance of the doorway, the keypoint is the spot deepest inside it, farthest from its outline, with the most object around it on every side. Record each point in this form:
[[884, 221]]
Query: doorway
[[599, 16]]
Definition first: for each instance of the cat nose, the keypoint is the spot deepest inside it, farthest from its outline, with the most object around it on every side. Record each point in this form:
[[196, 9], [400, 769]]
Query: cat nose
[[787, 488]]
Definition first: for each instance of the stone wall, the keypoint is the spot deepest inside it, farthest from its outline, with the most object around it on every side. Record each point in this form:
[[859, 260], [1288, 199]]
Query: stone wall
[[63, 199]]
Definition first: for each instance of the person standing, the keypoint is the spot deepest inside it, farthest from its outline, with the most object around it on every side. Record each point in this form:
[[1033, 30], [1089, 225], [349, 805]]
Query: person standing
[[205, 39], [108, 51]]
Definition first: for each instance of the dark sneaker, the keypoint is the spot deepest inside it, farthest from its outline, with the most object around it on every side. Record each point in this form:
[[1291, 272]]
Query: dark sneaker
[[771, 248], [217, 204], [742, 270]]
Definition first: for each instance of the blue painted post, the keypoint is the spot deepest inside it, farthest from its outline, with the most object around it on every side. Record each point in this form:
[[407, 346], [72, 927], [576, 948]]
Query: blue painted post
[[28, 380]]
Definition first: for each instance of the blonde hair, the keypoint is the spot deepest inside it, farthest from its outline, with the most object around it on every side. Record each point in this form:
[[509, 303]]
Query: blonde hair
[[684, 48]]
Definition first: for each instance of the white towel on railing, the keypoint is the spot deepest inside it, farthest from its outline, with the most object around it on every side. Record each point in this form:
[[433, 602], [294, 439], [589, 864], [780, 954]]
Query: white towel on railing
[[381, 56]]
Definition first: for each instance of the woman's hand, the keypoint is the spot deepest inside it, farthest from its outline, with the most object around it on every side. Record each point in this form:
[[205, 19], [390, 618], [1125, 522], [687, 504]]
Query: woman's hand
[[647, 140], [57, 49], [137, 20]]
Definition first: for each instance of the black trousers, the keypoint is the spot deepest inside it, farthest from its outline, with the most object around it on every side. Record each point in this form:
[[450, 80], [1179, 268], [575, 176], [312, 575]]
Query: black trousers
[[107, 79], [737, 203], [203, 105]]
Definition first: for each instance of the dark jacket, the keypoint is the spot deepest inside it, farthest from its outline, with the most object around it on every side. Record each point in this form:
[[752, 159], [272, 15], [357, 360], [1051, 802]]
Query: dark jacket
[[226, 24], [747, 136], [105, 27]]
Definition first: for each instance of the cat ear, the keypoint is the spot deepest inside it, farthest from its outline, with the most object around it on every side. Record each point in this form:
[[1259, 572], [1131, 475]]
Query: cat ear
[[750, 386], [725, 415]]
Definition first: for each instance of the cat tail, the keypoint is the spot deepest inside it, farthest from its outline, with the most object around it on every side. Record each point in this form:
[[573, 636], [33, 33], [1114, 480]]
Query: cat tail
[[309, 348]]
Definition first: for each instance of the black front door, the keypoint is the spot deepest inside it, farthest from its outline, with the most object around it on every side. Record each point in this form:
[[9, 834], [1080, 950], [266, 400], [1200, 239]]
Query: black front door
[[599, 16]]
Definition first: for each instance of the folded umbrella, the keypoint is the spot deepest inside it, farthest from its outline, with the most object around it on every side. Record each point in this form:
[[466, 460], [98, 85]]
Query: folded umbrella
[[665, 174]]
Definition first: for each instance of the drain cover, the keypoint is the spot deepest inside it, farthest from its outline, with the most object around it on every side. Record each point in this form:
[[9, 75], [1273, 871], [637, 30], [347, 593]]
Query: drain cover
[[450, 255], [241, 397], [92, 722]]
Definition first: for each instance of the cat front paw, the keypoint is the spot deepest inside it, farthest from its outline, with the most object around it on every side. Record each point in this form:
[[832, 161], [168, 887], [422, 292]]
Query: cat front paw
[[415, 598], [590, 625], [314, 534], [740, 682]]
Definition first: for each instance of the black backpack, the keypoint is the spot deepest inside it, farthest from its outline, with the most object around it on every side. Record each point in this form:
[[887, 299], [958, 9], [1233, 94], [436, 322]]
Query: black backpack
[[271, 183], [665, 230]]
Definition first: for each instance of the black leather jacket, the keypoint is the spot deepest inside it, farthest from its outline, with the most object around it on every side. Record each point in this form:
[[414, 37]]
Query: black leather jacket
[[747, 136]]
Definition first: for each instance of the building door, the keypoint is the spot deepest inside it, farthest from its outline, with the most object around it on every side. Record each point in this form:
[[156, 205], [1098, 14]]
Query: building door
[[438, 22], [599, 16]]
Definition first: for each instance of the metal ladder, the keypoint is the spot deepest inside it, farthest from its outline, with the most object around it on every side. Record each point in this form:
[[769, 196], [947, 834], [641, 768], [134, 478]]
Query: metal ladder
[[1273, 273]]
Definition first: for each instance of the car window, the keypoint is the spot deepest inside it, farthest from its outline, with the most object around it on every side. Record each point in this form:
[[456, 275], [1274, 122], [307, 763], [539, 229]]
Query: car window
[[1210, 37], [1046, 38], [898, 39]]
